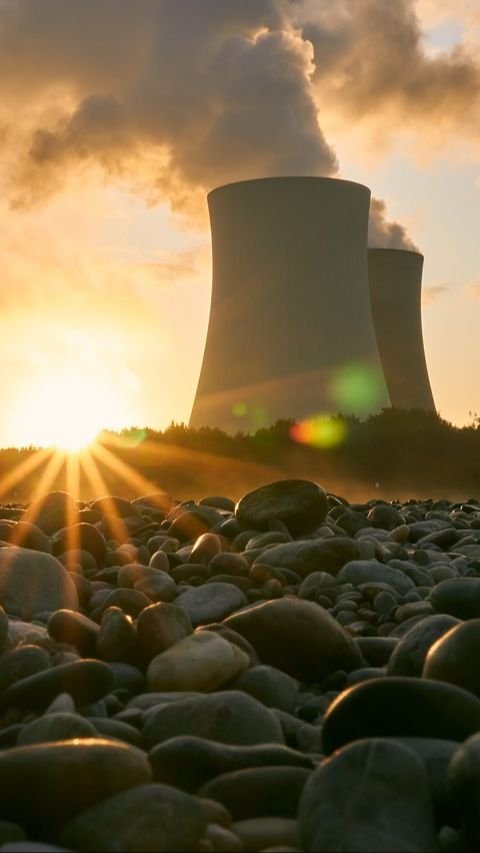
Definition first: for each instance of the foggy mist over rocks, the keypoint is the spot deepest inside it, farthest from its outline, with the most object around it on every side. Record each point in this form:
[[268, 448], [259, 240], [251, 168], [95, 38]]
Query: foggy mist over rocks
[[175, 98]]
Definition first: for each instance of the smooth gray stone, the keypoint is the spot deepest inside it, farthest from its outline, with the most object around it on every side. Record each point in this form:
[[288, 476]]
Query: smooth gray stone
[[116, 729], [85, 680], [203, 661], [454, 657], [52, 511], [84, 536], [370, 796], [66, 626], [297, 637], [56, 727], [147, 818], [189, 762], [211, 603], [229, 717], [45, 785], [272, 687], [328, 555], [301, 504], [116, 638], [458, 597], [32, 582], [364, 571], [411, 650], [436, 756], [464, 789], [20, 663], [258, 791], [388, 707]]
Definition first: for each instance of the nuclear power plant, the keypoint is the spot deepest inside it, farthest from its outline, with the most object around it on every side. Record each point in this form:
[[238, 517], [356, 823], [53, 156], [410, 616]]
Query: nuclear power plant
[[292, 332], [395, 278]]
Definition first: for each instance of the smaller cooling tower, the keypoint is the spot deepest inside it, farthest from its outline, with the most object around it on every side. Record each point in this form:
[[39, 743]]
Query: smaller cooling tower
[[395, 278]]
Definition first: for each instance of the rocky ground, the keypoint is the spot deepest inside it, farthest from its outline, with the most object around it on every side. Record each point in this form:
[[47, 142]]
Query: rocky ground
[[293, 673]]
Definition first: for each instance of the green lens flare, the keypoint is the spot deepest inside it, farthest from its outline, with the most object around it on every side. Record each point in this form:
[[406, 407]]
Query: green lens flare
[[240, 410], [356, 388]]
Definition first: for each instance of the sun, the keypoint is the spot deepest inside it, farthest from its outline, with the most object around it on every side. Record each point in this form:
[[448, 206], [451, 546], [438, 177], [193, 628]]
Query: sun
[[66, 411]]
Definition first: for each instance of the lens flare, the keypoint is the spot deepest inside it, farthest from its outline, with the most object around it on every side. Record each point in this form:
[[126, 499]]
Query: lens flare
[[321, 431], [240, 410], [356, 388]]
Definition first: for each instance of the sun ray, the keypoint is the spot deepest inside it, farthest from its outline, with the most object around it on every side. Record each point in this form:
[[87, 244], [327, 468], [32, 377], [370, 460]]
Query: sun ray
[[123, 470], [48, 476], [22, 470], [117, 525], [72, 479]]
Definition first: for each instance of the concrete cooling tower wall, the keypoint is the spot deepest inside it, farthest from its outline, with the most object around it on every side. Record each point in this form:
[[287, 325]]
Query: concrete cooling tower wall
[[290, 332], [395, 288]]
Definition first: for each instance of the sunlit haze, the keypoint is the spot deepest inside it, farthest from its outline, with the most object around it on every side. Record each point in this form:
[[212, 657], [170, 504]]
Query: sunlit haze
[[117, 118]]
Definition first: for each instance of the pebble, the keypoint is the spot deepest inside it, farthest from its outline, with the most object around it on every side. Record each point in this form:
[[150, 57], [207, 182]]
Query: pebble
[[298, 637], [272, 687], [211, 603], [454, 657], [202, 662], [159, 627], [44, 785], [229, 717], [31, 582], [188, 762], [401, 706], [56, 727], [150, 817], [371, 795], [307, 556], [85, 680], [300, 504], [409, 655]]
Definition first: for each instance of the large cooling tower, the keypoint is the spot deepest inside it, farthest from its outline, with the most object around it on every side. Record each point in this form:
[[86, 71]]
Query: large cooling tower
[[291, 332], [395, 290]]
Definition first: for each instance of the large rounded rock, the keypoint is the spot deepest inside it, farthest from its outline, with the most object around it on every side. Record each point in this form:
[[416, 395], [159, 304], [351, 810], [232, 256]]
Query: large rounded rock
[[458, 597], [386, 707], [202, 662], [47, 784], [113, 505], [464, 789], [409, 655], [159, 627], [359, 572], [211, 603], [85, 680], [32, 582], [259, 791], [370, 796], [299, 637], [148, 818], [189, 762], [52, 511], [271, 686], [81, 536], [22, 662], [300, 504], [304, 557], [56, 727], [77, 630], [24, 535], [454, 657], [230, 717]]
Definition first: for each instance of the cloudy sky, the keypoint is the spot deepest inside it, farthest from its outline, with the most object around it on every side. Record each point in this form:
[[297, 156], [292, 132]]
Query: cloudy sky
[[116, 118]]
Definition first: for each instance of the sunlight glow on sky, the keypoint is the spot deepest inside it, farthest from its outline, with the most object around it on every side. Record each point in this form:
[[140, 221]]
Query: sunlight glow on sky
[[105, 291]]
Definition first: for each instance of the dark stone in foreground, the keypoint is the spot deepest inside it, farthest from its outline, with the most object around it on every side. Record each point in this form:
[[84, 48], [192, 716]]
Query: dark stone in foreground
[[409, 655], [32, 582], [85, 681], [370, 796], [47, 784], [298, 637], [458, 597], [454, 658], [230, 717], [304, 557], [401, 706], [147, 818], [300, 504], [464, 788], [189, 762], [260, 791]]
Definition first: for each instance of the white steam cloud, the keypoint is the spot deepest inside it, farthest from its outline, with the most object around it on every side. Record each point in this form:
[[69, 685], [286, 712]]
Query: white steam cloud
[[174, 97]]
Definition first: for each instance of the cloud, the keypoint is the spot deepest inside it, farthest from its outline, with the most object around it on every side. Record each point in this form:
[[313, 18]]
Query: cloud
[[383, 234], [433, 292], [173, 98], [372, 67]]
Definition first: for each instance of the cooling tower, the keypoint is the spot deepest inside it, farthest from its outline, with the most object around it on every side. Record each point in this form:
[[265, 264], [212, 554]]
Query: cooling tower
[[290, 332], [395, 289]]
